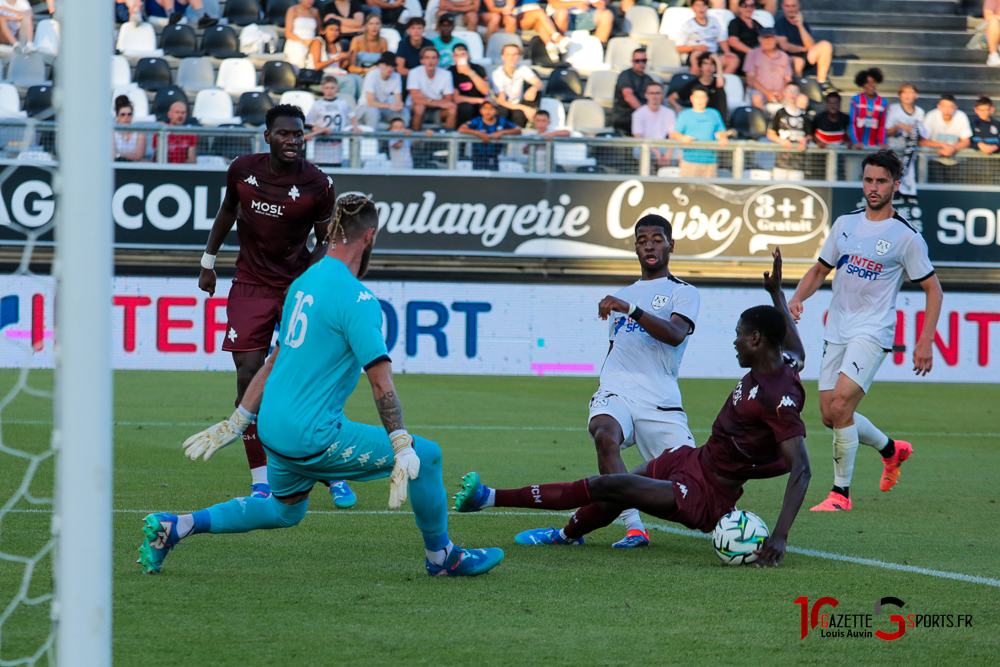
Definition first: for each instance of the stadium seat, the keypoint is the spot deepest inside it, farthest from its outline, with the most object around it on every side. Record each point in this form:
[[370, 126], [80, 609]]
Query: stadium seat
[[735, 95], [618, 55], [237, 76], [140, 102], [194, 74], [763, 17], [557, 112], [564, 84], [663, 57], [601, 88], [253, 107], [138, 41], [430, 14], [539, 57], [641, 23], [242, 12], [38, 103], [180, 41], [152, 74], [10, 102], [221, 42], [275, 10], [214, 107], [724, 17], [585, 53], [277, 76], [47, 37], [678, 81], [303, 99], [587, 116], [749, 122], [673, 19], [164, 98], [121, 71], [392, 38], [810, 88], [474, 41], [572, 155], [26, 70], [497, 41]]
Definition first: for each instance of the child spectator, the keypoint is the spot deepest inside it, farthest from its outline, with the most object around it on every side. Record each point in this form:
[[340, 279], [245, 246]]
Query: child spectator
[[704, 33], [399, 150], [710, 79], [327, 116], [868, 110], [699, 123], [830, 127], [489, 127], [903, 120], [790, 127], [544, 130], [986, 138]]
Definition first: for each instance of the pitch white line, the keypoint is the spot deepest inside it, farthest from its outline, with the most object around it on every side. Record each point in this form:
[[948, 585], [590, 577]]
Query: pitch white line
[[826, 555]]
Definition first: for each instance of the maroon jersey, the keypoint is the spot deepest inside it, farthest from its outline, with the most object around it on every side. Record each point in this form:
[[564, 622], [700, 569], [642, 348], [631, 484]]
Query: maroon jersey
[[764, 410], [275, 216]]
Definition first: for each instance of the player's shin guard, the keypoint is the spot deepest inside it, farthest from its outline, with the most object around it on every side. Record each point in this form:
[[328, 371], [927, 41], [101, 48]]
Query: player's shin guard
[[868, 433], [588, 519], [845, 448], [241, 515], [428, 497], [561, 496]]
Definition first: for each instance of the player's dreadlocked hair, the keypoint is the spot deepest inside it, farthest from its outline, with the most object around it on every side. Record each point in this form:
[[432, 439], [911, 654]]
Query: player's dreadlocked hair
[[768, 320], [352, 212]]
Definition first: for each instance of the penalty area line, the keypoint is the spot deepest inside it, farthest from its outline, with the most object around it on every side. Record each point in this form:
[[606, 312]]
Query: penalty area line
[[813, 553]]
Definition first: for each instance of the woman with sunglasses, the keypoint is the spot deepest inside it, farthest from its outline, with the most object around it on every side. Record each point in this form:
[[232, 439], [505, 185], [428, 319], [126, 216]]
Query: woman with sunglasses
[[743, 30], [128, 146]]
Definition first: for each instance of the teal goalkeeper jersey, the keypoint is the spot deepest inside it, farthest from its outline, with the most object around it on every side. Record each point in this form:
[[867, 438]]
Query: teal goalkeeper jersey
[[331, 328]]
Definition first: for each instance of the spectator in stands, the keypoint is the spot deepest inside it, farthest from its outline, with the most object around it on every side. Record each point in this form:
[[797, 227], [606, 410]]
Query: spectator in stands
[[496, 14], [350, 14], [986, 138], [699, 123], [531, 16], [326, 51], [16, 22], [173, 11], [444, 42], [768, 69], [991, 12], [795, 38], [868, 110], [128, 146], [489, 128], [181, 148], [329, 115], [301, 25], [630, 93], [704, 33], [654, 121], [468, 9], [125, 11], [947, 129], [471, 85], [590, 15], [744, 30], [769, 6], [382, 93], [710, 80], [830, 127], [515, 102], [543, 130], [432, 91], [408, 53], [367, 49], [903, 122], [790, 127], [388, 10], [400, 156]]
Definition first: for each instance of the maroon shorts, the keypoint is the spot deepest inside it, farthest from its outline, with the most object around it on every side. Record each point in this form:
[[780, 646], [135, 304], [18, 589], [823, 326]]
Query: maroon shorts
[[701, 500], [253, 311]]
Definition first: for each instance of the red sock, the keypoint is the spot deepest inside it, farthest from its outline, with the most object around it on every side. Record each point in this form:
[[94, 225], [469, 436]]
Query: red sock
[[588, 519], [563, 496], [256, 456]]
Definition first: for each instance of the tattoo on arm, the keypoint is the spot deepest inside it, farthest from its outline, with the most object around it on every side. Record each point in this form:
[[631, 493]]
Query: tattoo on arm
[[390, 411]]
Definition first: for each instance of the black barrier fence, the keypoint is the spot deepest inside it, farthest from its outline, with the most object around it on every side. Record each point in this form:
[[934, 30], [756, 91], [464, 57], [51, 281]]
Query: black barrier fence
[[557, 216]]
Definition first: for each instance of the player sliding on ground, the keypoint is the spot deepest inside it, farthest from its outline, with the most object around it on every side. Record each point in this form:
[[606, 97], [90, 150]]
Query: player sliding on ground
[[873, 249], [759, 433], [275, 199], [331, 329], [638, 401]]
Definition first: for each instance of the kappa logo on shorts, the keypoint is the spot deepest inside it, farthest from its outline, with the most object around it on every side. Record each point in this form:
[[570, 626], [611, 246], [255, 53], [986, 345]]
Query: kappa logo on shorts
[[659, 301], [882, 247], [684, 490], [787, 402], [364, 458], [381, 462], [231, 335], [252, 180], [347, 452]]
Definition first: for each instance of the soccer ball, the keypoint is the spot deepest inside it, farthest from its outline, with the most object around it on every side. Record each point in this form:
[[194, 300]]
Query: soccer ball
[[736, 537]]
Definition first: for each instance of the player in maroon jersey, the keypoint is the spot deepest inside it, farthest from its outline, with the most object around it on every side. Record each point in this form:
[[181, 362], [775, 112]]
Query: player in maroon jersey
[[759, 433], [275, 199]]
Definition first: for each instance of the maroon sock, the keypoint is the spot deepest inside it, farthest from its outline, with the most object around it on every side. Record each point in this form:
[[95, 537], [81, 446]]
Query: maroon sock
[[589, 518], [562, 496], [256, 456]]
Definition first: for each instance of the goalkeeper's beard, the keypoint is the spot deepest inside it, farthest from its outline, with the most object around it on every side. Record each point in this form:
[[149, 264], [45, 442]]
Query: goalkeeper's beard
[[365, 259]]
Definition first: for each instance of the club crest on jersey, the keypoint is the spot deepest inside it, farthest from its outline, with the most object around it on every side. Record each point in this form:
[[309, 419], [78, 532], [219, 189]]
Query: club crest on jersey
[[294, 193], [659, 301], [882, 247], [252, 180], [231, 335]]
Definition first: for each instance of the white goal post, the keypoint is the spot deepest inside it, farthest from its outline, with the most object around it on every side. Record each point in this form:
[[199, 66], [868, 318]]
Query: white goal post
[[82, 433]]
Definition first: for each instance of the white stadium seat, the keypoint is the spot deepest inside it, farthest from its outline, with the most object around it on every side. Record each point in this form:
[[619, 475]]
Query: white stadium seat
[[618, 55], [303, 99], [392, 38], [557, 112], [10, 102], [673, 19], [734, 92], [585, 53], [601, 87], [498, 40], [121, 71], [194, 74], [724, 17], [475, 43], [215, 107], [430, 14], [138, 41], [26, 70], [586, 116], [663, 57], [763, 17], [237, 76], [47, 37], [642, 23]]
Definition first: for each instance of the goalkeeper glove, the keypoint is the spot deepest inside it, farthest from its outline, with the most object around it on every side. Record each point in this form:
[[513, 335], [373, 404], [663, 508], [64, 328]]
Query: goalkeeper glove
[[214, 438], [407, 464]]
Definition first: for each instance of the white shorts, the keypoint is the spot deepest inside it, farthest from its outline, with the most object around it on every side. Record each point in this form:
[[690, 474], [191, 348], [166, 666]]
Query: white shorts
[[653, 430], [859, 360]]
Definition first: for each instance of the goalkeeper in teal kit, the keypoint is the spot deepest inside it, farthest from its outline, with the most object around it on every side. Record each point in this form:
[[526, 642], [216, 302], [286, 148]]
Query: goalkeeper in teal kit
[[331, 328]]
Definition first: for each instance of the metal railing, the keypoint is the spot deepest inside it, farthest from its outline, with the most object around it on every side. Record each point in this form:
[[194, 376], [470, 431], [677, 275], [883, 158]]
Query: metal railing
[[752, 160]]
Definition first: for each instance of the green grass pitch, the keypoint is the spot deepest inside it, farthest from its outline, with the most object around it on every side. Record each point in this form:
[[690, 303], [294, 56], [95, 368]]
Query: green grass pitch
[[348, 587]]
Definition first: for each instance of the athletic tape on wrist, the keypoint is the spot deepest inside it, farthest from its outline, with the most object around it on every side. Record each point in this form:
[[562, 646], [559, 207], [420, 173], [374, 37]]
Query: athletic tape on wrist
[[631, 309], [207, 261]]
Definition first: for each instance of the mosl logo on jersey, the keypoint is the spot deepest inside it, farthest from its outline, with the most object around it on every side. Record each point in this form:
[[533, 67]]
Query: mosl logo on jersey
[[272, 210]]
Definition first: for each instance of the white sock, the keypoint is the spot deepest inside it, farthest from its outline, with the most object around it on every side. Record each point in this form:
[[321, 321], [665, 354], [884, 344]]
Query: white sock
[[845, 448], [562, 534], [491, 499], [439, 557], [632, 520], [185, 522], [868, 433], [258, 475]]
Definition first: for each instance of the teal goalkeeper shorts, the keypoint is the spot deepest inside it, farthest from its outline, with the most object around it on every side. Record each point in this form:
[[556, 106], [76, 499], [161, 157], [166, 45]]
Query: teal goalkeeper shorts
[[359, 453]]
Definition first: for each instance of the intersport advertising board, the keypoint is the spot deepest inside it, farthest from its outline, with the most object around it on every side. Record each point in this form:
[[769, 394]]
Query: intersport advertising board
[[488, 329]]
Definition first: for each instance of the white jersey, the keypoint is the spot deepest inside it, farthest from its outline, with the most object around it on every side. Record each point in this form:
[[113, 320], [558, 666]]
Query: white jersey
[[694, 33], [335, 114], [872, 259], [638, 365]]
